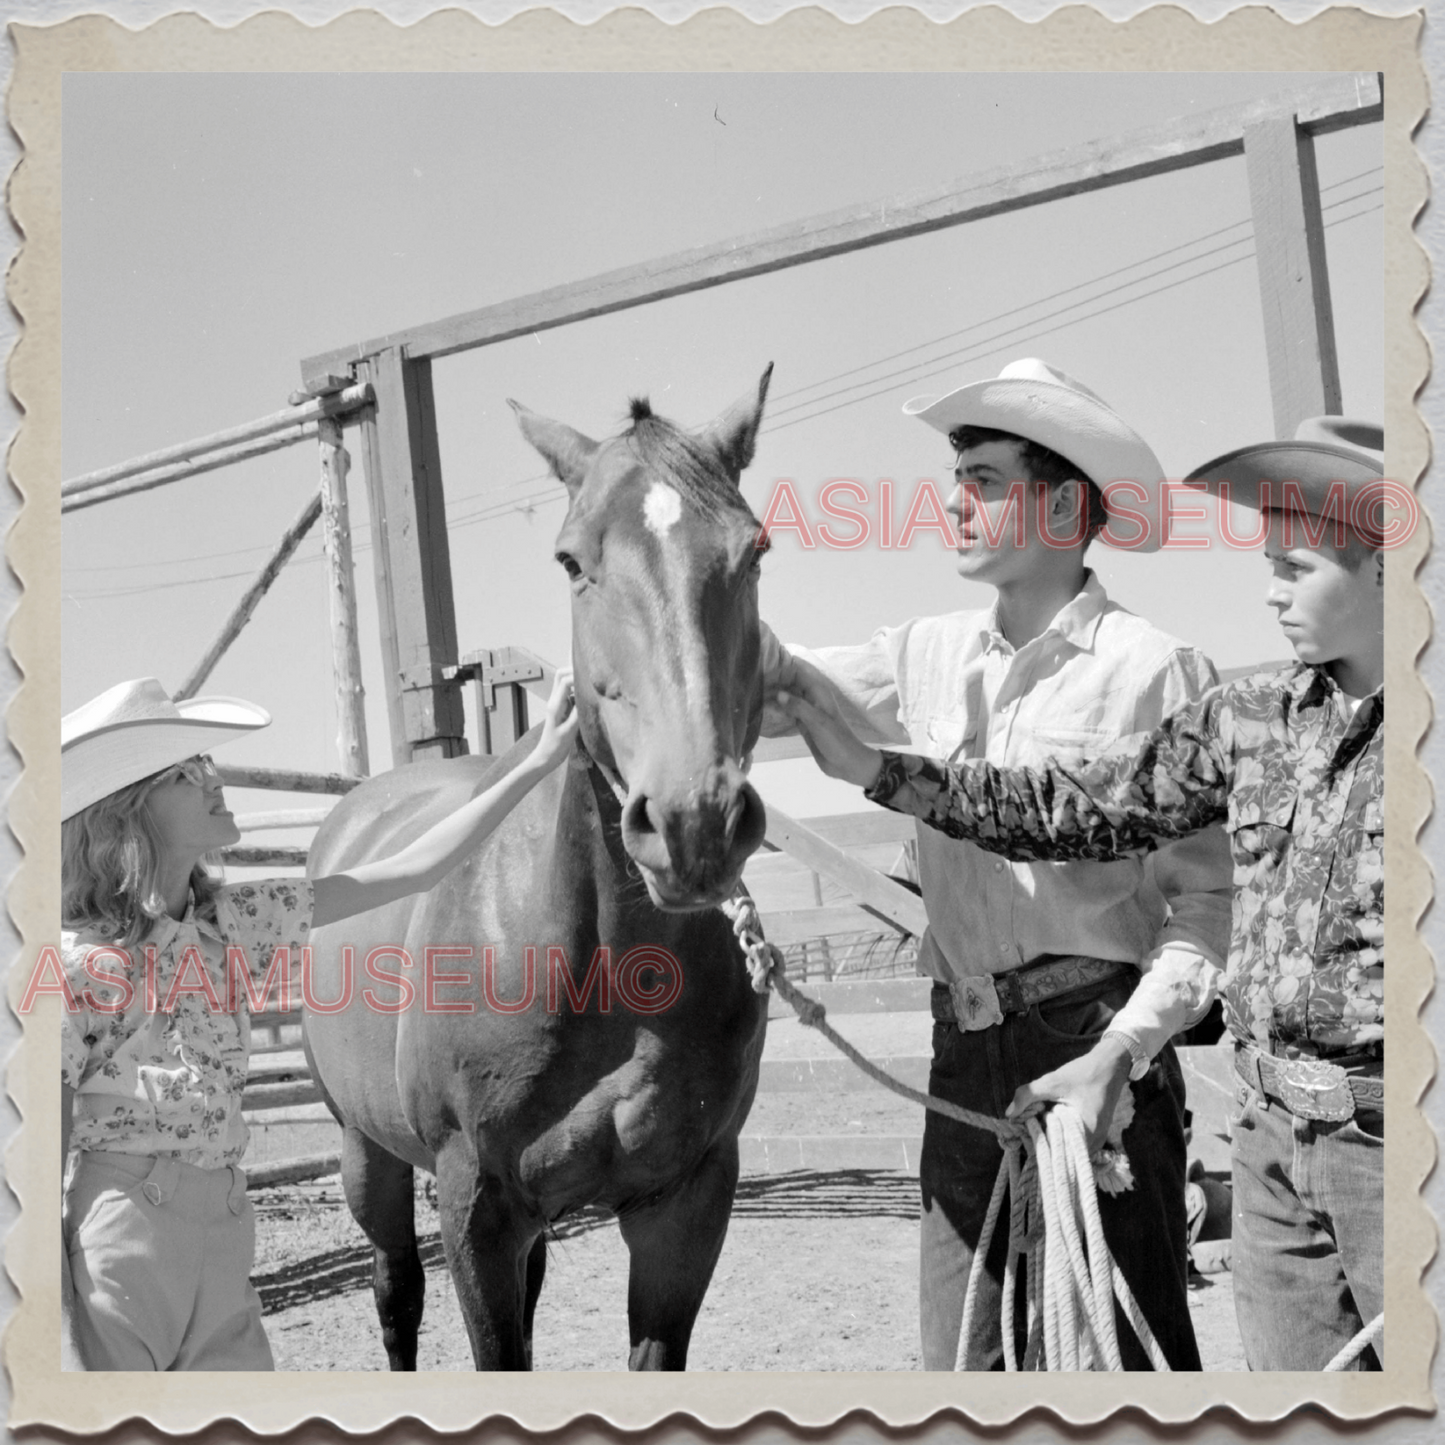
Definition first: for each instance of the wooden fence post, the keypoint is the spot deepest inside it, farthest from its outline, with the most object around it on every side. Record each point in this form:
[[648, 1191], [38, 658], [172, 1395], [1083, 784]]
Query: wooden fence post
[[1294, 284], [412, 560], [341, 596]]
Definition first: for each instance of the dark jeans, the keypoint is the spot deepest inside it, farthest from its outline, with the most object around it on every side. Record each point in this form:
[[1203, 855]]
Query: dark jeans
[[1144, 1226], [1309, 1233]]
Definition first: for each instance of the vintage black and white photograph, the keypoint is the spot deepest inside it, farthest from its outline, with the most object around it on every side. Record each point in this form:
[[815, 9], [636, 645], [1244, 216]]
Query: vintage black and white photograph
[[727, 722]]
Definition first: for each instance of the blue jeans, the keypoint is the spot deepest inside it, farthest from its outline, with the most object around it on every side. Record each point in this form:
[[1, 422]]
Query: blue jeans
[[1144, 1226], [1309, 1232]]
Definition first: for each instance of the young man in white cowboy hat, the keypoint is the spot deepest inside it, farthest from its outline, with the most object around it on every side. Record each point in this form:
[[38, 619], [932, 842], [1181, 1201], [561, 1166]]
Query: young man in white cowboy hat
[[1293, 759], [1037, 965]]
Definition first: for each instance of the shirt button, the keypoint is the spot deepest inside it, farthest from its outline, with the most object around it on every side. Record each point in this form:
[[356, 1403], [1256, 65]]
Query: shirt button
[[998, 867]]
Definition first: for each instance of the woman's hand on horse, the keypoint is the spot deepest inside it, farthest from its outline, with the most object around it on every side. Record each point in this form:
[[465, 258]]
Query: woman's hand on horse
[[835, 747], [424, 862], [560, 727], [1091, 1083]]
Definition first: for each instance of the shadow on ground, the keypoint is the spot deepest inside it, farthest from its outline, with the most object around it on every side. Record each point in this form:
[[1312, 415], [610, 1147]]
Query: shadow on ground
[[801, 1194]]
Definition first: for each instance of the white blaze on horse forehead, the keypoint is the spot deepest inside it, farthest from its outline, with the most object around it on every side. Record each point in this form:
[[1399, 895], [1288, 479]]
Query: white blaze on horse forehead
[[661, 508]]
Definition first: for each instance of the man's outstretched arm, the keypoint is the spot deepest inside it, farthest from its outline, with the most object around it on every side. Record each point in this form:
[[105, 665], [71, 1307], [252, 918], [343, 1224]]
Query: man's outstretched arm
[[1148, 789]]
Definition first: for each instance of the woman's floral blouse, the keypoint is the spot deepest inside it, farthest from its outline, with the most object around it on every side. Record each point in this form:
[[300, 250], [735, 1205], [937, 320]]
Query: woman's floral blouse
[[1300, 785], [165, 1075]]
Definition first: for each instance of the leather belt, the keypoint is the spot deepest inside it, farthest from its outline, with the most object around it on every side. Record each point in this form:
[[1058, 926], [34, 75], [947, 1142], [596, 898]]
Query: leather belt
[[977, 1002], [1314, 1088]]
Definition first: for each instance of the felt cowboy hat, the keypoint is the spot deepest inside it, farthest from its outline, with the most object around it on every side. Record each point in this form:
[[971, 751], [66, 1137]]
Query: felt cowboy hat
[[1035, 400], [1332, 468], [133, 730]]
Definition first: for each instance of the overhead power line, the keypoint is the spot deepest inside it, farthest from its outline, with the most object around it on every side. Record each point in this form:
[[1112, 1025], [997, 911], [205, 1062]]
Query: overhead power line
[[1055, 295], [922, 370], [935, 365]]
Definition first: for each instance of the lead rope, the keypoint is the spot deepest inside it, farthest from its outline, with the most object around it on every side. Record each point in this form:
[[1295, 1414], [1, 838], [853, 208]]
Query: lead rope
[[1356, 1346], [1051, 1183]]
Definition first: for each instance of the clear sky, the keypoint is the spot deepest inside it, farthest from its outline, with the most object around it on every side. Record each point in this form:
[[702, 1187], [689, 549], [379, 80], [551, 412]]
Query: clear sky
[[218, 228]]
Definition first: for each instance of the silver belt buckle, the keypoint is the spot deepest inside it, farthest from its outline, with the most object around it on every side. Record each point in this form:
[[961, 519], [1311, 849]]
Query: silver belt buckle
[[975, 1002], [1313, 1089]]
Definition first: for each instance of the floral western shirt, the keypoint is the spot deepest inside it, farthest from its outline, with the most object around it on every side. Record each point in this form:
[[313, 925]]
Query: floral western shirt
[[1296, 773], [954, 687], [164, 1074]]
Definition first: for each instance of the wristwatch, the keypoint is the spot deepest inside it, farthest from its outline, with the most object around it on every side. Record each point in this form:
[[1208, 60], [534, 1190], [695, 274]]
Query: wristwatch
[[1140, 1065]]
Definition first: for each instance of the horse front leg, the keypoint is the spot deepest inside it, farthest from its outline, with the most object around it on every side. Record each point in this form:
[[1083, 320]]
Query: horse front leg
[[674, 1246], [536, 1270], [378, 1189], [487, 1247]]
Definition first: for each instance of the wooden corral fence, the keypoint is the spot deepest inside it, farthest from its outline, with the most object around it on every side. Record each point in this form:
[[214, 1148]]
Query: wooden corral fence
[[382, 387]]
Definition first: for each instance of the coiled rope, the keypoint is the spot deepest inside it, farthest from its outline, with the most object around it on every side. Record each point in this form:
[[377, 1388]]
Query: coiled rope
[[1072, 1280], [1052, 1184]]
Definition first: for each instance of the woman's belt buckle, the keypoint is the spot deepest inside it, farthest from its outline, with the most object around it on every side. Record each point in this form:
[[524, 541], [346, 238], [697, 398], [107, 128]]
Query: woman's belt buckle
[[1313, 1089], [975, 1002]]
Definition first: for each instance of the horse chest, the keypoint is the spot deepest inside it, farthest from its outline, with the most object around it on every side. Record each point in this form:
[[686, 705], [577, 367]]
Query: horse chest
[[643, 1123]]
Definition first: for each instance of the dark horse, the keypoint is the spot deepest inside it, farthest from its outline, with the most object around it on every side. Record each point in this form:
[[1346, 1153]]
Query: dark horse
[[606, 1041]]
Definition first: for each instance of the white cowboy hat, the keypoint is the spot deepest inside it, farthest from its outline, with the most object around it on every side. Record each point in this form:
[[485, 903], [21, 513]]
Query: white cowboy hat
[[133, 730], [1330, 455], [1032, 399]]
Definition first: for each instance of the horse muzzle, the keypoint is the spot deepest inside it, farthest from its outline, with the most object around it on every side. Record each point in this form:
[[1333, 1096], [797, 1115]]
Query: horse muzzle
[[691, 841]]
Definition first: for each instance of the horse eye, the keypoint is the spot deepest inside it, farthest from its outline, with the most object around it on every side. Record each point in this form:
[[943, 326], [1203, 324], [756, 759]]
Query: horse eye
[[569, 563]]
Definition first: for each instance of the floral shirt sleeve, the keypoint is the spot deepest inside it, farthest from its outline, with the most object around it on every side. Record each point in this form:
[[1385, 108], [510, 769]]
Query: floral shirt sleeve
[[1147, 790], [1297, 776], [80, 1032], [264, 916]]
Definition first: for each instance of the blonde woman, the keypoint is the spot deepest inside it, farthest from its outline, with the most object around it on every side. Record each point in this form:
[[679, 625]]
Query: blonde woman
[[158, 1234]]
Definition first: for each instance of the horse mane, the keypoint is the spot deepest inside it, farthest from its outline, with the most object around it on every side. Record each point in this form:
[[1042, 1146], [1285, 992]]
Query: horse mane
[[691, 467]]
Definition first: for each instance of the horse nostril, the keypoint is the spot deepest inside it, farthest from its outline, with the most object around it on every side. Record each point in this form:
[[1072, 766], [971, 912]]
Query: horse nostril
[[643, 833], [637, 815], [734, 815], [747, 822]]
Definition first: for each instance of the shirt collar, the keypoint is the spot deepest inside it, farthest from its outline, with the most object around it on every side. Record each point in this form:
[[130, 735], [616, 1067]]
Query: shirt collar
[[1313, 687], [1077, 621], [165, 929]]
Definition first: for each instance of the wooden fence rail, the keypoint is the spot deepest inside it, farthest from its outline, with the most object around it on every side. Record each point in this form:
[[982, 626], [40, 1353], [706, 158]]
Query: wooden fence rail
[[284, 780], [282, 428]]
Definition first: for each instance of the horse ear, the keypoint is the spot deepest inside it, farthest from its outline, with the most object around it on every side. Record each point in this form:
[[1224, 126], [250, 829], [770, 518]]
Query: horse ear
[[567, 452], [733, 436]]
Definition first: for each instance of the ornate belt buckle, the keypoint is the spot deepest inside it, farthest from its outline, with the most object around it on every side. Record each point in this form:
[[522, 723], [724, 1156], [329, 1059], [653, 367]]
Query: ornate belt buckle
[[975, 1002], [1313, 1089]]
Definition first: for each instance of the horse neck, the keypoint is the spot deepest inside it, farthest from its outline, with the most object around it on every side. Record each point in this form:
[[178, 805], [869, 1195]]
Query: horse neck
[[592, 876]]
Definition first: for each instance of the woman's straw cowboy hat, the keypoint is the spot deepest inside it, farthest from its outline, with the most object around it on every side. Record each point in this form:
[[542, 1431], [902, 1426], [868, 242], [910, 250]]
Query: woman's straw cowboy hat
[[133, 730], [1329, 456], [1032, 399]]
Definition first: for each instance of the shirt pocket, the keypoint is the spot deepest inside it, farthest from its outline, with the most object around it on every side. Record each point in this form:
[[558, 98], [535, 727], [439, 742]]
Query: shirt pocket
[[1260, 830], [943, 737], [1067, 746], [1368, 861]]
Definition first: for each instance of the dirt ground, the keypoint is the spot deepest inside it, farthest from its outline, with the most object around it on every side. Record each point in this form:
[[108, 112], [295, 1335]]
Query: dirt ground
[[819, 1272]]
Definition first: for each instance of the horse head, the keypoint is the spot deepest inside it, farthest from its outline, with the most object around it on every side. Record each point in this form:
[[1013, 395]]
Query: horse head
[[662, 554]]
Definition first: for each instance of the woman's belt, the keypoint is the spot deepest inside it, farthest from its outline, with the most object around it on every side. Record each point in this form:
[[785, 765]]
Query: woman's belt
[[976, 1002], [1314, 1088]]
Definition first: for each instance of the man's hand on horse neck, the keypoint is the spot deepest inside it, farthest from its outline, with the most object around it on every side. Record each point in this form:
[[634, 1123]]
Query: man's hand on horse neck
[[836, 749]]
